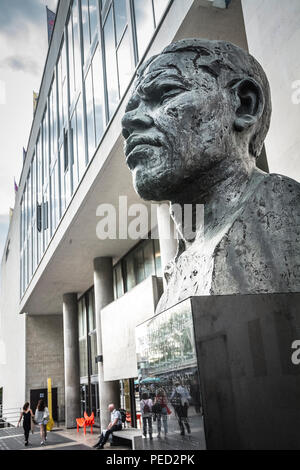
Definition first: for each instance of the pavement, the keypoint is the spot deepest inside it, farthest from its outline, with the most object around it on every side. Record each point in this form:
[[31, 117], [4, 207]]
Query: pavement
[[69, 439]]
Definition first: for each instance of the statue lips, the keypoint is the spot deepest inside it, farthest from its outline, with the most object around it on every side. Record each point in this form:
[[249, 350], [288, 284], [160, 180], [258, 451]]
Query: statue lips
[[135, 141]]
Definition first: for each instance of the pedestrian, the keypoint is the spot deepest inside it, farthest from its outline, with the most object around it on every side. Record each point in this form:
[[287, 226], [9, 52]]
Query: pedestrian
[[27, 416], [161, 411], [180, 401], [114, 425], [146, 412], [42, 418]]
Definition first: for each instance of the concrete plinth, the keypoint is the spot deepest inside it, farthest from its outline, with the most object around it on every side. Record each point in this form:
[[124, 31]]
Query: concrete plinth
[[250, 386], [109, 392], [71, 359]]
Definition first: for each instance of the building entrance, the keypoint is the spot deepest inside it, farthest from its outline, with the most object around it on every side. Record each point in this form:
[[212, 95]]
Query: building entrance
[[42, 394]]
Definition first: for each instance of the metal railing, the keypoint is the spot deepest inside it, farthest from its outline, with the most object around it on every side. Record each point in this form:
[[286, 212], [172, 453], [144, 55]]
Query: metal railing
[[9, 417]]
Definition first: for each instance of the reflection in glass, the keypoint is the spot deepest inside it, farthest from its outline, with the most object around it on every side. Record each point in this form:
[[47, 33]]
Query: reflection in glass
[[144, 24], [77, 53], [168, 375], [157, 258], [124, 63], [82, 330], [90, 113], [111, 65], [98, 95], [93, 17], [148, 258], [85, 27], [159, 8], [120, 18]]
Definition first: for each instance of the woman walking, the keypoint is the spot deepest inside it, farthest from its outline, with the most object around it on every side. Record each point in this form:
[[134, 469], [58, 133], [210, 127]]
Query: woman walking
[[146, 412], [161, 410], [42, 418], [27, 416]]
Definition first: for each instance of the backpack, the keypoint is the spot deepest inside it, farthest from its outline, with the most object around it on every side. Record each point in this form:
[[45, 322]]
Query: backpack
[[176, 400], [123, 415], [157, 408], [147, 408]]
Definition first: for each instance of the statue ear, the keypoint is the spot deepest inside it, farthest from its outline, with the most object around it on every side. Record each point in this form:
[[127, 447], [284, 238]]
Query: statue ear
[[251, 104]]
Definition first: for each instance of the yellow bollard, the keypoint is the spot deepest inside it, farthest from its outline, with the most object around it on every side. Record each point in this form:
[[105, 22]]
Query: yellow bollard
[[50, 423]]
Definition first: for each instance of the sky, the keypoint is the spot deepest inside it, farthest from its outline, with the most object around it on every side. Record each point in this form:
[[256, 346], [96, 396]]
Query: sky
[[23, 51]]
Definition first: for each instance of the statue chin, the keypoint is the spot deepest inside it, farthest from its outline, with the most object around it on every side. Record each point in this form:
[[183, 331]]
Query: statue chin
[[152, 188]]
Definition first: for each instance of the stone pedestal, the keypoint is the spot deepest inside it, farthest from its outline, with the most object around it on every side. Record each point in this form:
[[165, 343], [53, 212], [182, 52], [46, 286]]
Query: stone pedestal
[[250, 387]]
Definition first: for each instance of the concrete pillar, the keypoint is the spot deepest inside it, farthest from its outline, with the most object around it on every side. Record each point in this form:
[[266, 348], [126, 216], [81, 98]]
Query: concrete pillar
[[166, 230], [109, 392], [71, 359]]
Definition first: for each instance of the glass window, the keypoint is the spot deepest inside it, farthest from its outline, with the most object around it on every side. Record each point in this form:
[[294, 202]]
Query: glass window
[[90, 113], [53, 119], [111, 65], [91, 310], [157, 257], [82, 329], [124, 63], [159, 9], [98, 95], [118, 281], [43, 162], [120, 18], [144, 24], [93, 343], [93, 12], [80, 139], [139, 265], [54, 197], [85, 27], [149, 258], [71, 57], [77, 49], [130, 273], [89, 24]]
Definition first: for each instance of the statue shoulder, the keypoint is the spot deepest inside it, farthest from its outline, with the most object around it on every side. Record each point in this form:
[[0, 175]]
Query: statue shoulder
[[278, 192]]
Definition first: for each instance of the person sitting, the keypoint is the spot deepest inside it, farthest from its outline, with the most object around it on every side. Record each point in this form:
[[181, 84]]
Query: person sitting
[[114, 425]]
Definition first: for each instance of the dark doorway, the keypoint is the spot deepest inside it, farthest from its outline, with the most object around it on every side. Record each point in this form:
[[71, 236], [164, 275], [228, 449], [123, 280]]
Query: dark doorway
[[42, 393]]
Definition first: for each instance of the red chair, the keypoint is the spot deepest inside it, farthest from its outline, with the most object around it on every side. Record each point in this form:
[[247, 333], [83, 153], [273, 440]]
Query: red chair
[[81, 423], [85, 422], [138, 417]]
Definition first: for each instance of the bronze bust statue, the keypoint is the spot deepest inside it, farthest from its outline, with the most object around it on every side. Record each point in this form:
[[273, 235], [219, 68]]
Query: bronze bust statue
[[194, 127]]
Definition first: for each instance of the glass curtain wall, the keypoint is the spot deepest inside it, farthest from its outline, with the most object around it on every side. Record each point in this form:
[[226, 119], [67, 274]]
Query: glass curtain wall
[[102, 43], [87, 354], [141, 262]]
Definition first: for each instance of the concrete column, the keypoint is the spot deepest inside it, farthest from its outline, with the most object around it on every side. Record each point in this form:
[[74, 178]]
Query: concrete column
[[71, 359], [109, 392], [166, 230]]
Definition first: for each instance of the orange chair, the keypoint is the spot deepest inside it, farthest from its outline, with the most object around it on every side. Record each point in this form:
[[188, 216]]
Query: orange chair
[[85, 422], [138, 417], [81, 423]]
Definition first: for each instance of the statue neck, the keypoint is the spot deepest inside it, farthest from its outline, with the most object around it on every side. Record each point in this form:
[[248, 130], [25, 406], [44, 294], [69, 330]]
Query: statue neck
[[212, 198]]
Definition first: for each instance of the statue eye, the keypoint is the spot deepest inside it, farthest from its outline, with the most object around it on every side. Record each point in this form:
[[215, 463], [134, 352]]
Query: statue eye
[[169, 93]]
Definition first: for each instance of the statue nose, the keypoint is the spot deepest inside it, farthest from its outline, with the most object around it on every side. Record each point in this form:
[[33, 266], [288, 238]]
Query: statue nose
[[134, 120]]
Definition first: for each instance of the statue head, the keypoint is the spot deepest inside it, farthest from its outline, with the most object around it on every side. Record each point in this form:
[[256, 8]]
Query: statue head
[[195, 106]]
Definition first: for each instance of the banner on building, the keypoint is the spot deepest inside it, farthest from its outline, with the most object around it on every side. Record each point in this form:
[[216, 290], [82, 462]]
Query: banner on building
[[50, 22]]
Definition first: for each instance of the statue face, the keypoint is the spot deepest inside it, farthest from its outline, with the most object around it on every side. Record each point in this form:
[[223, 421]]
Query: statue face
[[178, 124]]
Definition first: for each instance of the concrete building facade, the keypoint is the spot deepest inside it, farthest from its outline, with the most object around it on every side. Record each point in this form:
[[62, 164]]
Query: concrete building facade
[[70, 302]]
